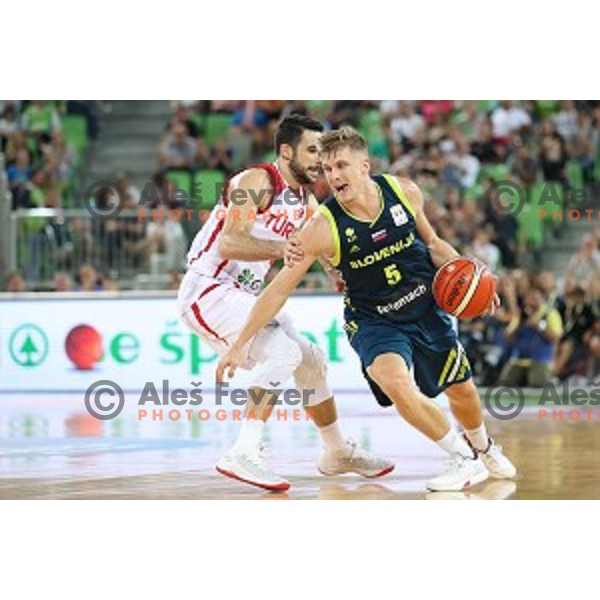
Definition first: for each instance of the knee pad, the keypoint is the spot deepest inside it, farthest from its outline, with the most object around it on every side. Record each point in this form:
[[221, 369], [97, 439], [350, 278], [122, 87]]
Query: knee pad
[[277, 356], [311, 375]]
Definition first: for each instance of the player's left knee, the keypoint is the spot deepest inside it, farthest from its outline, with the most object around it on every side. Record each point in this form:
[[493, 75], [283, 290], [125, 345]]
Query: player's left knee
[[311, 377], [464, 389], [391, 382]]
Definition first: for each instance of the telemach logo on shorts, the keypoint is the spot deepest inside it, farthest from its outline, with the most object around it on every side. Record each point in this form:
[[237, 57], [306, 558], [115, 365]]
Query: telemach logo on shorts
[[403, 301]]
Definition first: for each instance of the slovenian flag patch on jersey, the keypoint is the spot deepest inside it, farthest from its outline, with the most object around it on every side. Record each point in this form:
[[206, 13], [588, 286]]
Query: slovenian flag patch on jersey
[[379, 235]]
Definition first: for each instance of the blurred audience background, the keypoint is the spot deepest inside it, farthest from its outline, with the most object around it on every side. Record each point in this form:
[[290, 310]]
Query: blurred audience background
[[457, 151]]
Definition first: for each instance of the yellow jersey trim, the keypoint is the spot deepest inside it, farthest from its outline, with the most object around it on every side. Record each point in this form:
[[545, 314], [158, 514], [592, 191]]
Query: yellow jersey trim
[[335, 261], [371, 222], [400, 193]]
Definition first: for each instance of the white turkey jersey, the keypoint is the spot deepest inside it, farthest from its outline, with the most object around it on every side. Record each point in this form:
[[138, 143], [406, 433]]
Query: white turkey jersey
[[285, 214]]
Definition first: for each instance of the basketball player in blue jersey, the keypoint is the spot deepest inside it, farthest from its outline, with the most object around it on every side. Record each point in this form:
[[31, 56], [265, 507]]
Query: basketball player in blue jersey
[[374, 231]]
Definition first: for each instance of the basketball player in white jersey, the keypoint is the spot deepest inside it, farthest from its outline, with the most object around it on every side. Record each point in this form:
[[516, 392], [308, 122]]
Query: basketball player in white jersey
[[227, 264]]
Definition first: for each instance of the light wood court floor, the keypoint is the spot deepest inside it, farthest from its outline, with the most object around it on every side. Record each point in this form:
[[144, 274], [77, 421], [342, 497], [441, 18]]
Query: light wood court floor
[[50, 448]]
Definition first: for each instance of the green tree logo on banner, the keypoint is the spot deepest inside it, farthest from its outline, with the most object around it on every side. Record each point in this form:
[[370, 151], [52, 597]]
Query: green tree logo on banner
[[28, 346]]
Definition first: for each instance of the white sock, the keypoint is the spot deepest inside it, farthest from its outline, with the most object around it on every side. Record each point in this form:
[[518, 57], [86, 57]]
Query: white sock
[[452, 443], [478, 437], [332, 436], [250, 435]]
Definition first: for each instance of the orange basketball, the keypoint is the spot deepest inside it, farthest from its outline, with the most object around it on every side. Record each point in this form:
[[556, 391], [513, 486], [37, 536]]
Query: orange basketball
[[464, 287]]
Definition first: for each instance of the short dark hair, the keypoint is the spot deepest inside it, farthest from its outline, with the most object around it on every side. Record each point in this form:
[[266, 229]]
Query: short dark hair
[[290, 130]]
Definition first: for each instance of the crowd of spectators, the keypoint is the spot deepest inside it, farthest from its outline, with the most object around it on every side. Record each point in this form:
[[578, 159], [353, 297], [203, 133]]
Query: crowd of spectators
[[41, 159], [39, 163], [454, 150], [546, 329]]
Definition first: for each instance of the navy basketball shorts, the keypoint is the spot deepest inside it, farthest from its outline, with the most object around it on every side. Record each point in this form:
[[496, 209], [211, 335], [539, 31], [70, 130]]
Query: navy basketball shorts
[[430, 346]]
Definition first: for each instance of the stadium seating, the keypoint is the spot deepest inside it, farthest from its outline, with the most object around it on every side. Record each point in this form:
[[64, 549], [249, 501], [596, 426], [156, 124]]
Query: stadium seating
[[208, 184], [74, 128], [574, 175], [217, 126], [182, 180], [371, 125]]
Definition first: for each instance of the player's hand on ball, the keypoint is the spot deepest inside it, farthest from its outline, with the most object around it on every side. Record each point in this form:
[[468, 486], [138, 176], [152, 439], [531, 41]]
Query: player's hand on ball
[[293, 252], [466, 288], [230, 361]]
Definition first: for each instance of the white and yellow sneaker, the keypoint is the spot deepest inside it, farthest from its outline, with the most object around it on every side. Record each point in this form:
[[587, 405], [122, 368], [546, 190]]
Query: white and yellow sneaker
[[251, 467], [464, 472], [352, 459]]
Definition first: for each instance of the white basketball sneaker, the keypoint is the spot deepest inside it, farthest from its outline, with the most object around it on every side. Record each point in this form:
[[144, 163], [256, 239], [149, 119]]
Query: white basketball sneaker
[[251, 467], [464, 471], [352, 459], [497, 464]]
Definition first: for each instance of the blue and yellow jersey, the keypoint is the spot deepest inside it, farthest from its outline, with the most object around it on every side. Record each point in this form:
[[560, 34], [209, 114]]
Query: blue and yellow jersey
[[384, 262]]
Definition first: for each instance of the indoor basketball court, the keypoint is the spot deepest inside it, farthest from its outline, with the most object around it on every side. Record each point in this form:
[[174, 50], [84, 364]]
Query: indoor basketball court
[[130, 271], [416, 283], [51, 448]]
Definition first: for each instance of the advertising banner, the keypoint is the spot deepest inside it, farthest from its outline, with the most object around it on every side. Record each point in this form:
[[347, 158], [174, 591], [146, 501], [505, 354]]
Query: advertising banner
[[55, 343]]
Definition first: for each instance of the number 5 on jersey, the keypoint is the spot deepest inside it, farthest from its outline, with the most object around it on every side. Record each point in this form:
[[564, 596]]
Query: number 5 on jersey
[[392, 274]]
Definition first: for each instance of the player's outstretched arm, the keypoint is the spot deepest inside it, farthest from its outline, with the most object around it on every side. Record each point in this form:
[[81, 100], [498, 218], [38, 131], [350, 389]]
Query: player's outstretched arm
[[440, 251], [247, 193], [316, 239]]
